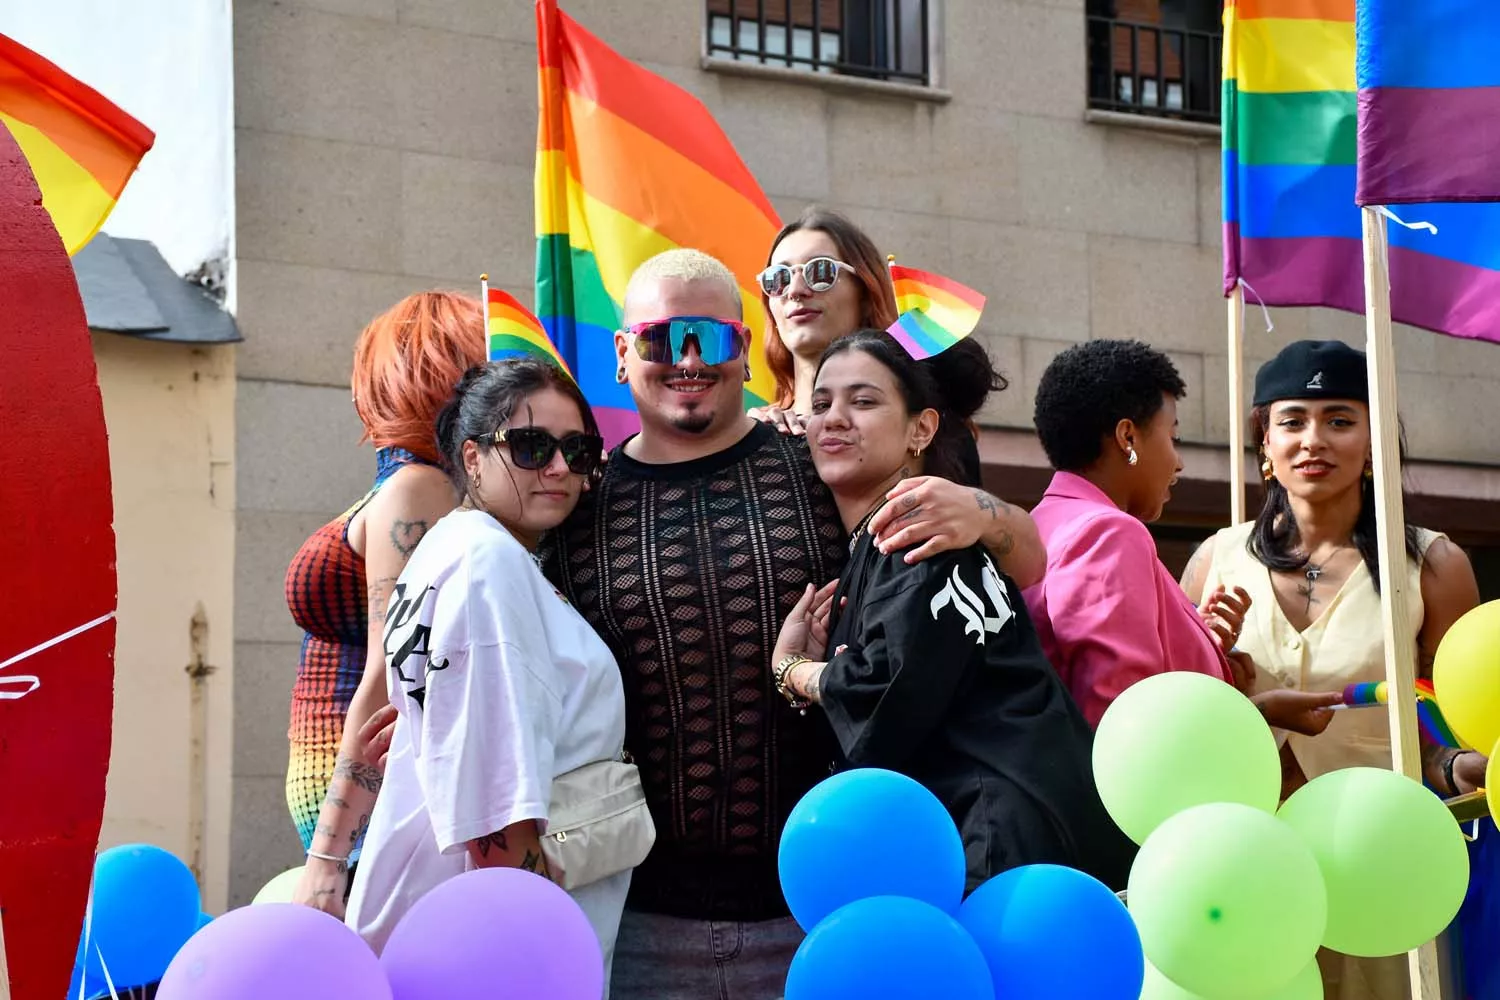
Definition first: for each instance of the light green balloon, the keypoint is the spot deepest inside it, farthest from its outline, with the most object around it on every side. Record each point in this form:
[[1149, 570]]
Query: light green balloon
[[1307, 985], [279, 889], [1392, 856], [1228, 900], [1177, 740]]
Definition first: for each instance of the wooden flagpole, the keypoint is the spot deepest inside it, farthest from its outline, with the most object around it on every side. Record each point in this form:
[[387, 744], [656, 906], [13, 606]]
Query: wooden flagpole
[[1237, 405], [1390, 513], [4, 972]]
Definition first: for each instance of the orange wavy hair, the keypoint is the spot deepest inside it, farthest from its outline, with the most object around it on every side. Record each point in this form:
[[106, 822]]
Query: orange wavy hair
[[877, 299], [407, 362]]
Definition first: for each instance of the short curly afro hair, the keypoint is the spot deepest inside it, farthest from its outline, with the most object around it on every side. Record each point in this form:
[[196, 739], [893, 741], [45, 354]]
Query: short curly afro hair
[[1090, 387]]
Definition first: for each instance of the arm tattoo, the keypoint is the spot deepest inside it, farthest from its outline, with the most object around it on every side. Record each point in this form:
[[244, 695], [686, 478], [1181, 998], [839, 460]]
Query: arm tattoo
[[362, 774], [326, 830], [534, 862], [378, 595], [337, 802], [494, 841], [359, 831], [406, 534], [1005, 545], [815, 686]]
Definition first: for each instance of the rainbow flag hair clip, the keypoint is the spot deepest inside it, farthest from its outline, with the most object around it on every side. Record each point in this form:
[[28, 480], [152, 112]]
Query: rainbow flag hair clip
[[933, 312], [1429, 717], [512, 328]]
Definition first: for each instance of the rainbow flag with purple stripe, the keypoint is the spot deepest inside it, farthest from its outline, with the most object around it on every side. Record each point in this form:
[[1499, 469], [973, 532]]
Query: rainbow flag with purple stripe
[[628, 165], [933, 312], [1292, 229], [1429, 101]]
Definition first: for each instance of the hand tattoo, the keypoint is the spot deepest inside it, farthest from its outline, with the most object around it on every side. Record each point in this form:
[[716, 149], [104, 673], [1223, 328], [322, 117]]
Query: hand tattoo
[[993, 504], [362, 774], [495, 841], [406, 534], [534, 862]]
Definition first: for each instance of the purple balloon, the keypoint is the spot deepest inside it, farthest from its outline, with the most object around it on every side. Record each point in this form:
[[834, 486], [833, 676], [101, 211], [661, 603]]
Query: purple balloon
[[276, 950], [494, 934]]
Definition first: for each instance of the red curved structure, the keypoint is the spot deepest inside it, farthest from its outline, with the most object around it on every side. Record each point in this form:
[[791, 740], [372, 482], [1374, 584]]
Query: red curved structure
[[57, 567]]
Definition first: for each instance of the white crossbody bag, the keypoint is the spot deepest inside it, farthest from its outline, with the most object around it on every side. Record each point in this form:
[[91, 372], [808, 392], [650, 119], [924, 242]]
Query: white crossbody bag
[[598, 824]]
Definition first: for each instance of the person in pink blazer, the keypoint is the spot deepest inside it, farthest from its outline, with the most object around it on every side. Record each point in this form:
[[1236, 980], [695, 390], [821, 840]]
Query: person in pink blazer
[[1107, 611]]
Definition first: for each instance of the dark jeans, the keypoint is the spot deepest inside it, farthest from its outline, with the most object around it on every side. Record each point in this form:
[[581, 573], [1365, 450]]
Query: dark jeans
[[670, 958]]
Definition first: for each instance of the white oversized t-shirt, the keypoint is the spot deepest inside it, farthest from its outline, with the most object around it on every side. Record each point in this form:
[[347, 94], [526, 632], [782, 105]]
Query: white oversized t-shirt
[[501, 686]]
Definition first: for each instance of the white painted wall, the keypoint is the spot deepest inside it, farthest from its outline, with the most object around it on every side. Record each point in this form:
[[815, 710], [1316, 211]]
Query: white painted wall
[[167, 63]]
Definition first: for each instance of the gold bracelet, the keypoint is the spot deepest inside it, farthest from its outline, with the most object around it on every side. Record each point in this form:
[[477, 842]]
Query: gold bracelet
[[782, 672]]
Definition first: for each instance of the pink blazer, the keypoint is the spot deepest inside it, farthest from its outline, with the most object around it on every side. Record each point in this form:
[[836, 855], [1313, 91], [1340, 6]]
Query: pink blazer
[[1108, 613]]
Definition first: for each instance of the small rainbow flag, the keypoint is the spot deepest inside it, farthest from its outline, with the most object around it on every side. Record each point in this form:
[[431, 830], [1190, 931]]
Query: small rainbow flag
[[934, 312], [513, 330], [1429, 717], [81, 148]]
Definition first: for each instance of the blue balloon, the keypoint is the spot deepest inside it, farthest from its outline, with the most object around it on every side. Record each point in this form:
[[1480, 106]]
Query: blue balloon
[[869, 832], [888, 948], [1050, 931], [145, 907], [204, 920]]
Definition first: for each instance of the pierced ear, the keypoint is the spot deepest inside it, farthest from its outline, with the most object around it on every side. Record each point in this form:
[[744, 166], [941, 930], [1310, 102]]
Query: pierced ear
[[1125, 434], [925, 430]]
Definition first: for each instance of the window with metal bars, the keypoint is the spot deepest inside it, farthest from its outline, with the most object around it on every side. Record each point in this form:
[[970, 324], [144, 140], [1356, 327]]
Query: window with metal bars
[[876, 39], [1155, 57]]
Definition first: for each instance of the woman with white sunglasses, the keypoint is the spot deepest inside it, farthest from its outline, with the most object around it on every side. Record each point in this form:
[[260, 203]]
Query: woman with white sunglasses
[[823, 280]]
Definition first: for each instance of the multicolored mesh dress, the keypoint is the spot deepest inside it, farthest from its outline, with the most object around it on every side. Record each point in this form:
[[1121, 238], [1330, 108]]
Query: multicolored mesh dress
[[325, 592]]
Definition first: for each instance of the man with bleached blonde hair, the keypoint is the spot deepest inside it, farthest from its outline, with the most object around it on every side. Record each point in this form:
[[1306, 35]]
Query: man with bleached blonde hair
[[686, 558]]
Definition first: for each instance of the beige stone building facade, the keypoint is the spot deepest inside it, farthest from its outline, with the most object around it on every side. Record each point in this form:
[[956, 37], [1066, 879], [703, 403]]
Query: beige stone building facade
[[386, 146]]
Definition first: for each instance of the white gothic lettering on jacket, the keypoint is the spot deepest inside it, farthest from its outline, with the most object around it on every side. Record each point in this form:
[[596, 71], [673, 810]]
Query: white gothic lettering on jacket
[[982, 616]]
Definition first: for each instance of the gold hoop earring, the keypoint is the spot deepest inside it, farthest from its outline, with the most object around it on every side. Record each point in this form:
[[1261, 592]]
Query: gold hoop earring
[[1131, 458], [1267, 470], [916, 453], [1369, 470]]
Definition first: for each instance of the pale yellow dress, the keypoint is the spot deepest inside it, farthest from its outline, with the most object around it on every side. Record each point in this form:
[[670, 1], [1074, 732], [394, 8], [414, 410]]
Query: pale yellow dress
[[1345, 645]]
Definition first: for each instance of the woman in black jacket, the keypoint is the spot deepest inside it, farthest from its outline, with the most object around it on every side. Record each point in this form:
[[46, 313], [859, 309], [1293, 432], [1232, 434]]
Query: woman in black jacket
[[934, 669]]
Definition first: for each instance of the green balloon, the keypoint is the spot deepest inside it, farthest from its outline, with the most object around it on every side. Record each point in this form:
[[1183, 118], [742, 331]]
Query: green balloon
[[1177, 740], [279, 889], [1307, 985], [1393, 858], [1228, 900]]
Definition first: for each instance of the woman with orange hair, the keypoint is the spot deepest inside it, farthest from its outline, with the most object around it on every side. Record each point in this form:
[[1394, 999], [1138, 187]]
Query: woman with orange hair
[[406, 364]]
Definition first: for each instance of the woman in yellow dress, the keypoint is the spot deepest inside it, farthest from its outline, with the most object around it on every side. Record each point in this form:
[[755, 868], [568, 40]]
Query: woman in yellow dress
[[1310, 565]]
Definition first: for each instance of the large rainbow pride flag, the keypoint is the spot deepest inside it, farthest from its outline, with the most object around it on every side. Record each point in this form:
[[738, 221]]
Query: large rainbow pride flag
[[81, 148], [1429, 101], [1292, 230], [629, 165]]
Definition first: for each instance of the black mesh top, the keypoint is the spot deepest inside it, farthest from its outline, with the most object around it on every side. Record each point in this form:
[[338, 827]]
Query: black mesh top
[[687, 571]]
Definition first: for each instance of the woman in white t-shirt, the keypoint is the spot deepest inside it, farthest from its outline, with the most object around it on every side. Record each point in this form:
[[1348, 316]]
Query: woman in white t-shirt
[[500, 685]]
